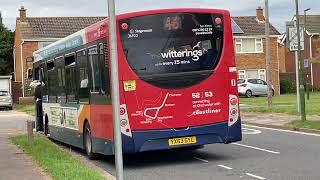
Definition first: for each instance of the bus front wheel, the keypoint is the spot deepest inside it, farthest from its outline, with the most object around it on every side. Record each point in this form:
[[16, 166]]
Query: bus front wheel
[[87, 141]]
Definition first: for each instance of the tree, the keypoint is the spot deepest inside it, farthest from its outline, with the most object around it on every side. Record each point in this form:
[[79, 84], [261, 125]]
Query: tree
[[6, 49]]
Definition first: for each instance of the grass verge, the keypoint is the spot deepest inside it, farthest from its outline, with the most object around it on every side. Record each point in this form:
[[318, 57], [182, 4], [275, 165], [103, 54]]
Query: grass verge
[[283, 104], [305, 124], [59, 163], [29, 109]]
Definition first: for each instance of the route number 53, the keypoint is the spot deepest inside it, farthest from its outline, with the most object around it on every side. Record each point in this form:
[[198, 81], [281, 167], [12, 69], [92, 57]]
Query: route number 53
[[208, 94]]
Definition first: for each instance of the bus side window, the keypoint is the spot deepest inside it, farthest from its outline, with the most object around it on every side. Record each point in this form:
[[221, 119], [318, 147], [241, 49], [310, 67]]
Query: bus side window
[[36, 73], [105, 77], [61, 92], [52, 79], [83, 82], [95, 76], [71, 79], [44, 80]]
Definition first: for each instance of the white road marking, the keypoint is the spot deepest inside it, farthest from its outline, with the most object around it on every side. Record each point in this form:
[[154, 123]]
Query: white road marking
[[255, 176], [226, 167], [282, 130], [203, 160], [250, 131], [256, 148]]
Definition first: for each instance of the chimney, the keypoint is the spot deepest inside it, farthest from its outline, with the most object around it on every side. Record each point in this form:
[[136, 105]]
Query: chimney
[[23, 13], [260, 16]]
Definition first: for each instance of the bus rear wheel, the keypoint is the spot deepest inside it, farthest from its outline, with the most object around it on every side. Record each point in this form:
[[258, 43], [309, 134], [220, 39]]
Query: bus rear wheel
[[87, 141]]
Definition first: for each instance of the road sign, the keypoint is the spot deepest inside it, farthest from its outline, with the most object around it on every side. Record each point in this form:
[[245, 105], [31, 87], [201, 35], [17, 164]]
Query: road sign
[[306, 63], [293, 39]]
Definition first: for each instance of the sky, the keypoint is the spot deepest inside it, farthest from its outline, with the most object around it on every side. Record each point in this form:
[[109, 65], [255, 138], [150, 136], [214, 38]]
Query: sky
[[280, 10]]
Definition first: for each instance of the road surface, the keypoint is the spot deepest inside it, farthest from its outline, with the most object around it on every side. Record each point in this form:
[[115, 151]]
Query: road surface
[[263, 154]]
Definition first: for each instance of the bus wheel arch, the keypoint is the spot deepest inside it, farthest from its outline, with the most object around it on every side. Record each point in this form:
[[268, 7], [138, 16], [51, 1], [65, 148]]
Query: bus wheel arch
[[87, 140]]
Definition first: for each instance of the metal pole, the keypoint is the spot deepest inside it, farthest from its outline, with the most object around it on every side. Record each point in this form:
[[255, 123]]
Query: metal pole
[[115, 90], [306, 50], [302, 96], [268, 56], [297, 81]]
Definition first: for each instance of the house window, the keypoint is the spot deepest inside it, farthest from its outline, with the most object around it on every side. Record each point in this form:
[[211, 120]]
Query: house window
[[249, 45], [252, 74], [241, 74]]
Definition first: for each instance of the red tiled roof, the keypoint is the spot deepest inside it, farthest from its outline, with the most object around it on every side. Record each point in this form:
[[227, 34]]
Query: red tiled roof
[[251, 26], [54, 27]]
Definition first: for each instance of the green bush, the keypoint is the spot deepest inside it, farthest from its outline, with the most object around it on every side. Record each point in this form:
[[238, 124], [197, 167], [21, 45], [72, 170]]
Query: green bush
[[287, 86]]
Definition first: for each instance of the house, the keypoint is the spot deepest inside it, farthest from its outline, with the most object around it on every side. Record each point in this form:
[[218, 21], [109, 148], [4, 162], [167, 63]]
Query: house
[[311, 52], [33, 33], [250, 46]]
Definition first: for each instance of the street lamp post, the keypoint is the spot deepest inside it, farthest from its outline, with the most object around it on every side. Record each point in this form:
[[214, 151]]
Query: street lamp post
[[301, 63], [268, 56], [115, 90], [306, 50]]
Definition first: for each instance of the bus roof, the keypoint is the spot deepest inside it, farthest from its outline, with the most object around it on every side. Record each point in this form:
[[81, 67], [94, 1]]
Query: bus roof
[[99, 30], [84, 36]]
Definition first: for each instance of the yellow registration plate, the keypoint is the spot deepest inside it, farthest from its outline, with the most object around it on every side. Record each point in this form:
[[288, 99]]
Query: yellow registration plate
[[183, 140]]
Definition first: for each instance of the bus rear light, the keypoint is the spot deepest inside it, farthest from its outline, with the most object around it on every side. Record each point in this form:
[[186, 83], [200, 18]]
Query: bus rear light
[[124, 26], [234, 112], [234, 101], [122, 111], [123, 122], [233, 109], [218, 21]]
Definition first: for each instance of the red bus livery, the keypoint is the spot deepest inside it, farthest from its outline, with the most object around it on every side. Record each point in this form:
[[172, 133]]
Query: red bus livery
[[178, 82]]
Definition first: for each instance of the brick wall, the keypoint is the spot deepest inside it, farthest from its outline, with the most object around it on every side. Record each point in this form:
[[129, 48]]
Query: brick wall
[[16, 91], [290, 67], [28, 47], [17, 53], [282, 58], [247, 61], [316, 66]]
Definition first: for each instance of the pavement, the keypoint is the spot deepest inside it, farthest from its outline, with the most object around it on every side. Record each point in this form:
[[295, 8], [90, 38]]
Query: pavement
[[14, 164], [276, 120]]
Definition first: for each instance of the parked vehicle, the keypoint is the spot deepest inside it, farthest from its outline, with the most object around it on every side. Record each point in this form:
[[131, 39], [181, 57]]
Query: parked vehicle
[[253, 87], [5, 92]]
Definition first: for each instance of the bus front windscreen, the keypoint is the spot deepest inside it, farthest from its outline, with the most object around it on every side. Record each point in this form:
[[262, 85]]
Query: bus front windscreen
[[175, 50]]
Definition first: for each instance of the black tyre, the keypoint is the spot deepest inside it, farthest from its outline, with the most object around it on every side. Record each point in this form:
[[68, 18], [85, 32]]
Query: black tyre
[[87, 141], [248, 93]]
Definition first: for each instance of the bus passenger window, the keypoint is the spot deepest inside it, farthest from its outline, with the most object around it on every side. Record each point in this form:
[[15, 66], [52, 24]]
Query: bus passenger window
[[43, 78], [95, 70], [61, 91], [52, 79], [104, 65], [71, 85], [83, 77]]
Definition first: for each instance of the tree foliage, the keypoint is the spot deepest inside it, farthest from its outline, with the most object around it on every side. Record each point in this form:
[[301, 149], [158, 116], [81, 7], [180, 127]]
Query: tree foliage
[[6, 49]]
